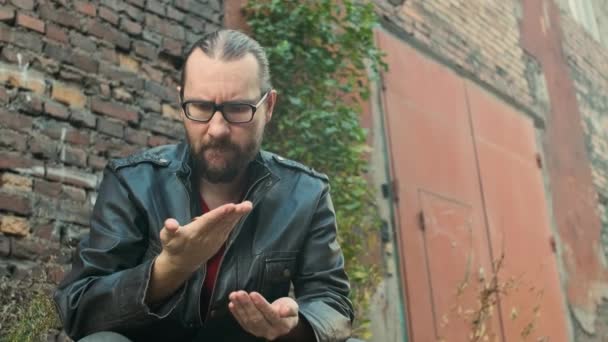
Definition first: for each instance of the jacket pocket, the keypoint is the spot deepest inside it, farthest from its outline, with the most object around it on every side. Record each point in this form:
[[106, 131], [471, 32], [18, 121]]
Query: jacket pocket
[[279, 270]]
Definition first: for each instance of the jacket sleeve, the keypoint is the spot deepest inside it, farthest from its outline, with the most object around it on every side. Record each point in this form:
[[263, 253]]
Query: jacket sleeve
[[106, 287], [322, 286]]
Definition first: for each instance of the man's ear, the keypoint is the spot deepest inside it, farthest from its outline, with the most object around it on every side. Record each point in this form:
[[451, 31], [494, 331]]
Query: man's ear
[[271, 102]]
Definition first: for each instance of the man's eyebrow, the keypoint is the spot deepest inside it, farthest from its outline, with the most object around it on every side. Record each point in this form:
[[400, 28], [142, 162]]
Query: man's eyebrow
[[240, 100]]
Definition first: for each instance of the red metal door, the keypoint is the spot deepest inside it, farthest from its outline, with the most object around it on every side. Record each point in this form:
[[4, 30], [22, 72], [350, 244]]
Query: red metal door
[[457, 162]]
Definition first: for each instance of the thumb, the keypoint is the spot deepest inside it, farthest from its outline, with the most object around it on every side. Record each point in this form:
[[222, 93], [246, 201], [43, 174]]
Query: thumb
[[171, 225], [288, 311]]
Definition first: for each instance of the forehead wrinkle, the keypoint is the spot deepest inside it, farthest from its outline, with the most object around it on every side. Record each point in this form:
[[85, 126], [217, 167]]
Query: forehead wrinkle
[[228, 78]]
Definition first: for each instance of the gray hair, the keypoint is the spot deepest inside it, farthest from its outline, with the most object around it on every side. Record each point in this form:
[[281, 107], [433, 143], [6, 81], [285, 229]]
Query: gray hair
[[230, 45]]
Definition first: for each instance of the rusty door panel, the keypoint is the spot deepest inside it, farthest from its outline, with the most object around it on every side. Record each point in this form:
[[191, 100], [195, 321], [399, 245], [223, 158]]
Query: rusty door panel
[[469, 190], [518, 222], [447, 227], [431, 151]]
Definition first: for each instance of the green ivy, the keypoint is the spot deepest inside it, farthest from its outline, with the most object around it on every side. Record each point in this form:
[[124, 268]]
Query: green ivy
[[321, 53]]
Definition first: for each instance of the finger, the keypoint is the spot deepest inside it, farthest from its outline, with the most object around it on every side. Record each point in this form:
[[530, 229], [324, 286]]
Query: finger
[[253, 317], [244, 207], [237, 309], [288, 311], [271, 315], [211, 217], [236, 314], [171, 225]]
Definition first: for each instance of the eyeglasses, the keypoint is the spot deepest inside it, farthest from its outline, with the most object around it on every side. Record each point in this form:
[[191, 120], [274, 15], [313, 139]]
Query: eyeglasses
[[233, 112]]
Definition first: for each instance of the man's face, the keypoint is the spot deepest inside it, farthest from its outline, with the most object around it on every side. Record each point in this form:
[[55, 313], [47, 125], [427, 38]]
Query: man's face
[[221, 149]]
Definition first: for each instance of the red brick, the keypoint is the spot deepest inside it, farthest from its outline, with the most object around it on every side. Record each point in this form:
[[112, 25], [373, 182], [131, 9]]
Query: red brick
[[97, 163], [47, 231], [155, 6], [16, 203], [131, 27], [24, 4], [5, 245], [77, 138], [7, 15], [41, 146], [70, 95], [110, 127], [30, 22], [32, 80], [81, 118], [31, 104], [18, 162], [67, 134], [114, 110], [108, 15], [144, 49], [13, 140], [85, 8], [136, 136], [109, 34], [57, 16], [56, 110], [175, 14], [172, 47], [156, 140], [30, 248], [19, 122], [56, 33], [85, 62], [73, 193], [164, 27], [13, 225], [73, 156], [15, 182], [50, 189]]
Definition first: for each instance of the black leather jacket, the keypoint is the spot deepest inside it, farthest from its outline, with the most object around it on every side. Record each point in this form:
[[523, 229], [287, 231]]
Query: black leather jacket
[[288, 237]]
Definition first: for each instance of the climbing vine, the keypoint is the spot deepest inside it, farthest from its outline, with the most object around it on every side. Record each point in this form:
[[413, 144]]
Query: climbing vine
[[321, 55]]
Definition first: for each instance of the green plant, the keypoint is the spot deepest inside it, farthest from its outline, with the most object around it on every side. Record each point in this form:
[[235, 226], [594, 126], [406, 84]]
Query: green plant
[[27, 312], [321, 53]]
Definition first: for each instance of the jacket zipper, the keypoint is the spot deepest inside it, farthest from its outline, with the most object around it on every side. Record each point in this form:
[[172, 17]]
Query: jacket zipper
[[228, 244]]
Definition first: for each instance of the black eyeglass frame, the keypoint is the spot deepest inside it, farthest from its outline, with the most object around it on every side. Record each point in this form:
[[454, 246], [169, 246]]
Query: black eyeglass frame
[[220, 108]]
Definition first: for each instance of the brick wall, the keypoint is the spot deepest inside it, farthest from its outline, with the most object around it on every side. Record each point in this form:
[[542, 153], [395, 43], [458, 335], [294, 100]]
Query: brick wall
[[81, 82], [588, 62], [479, 38]]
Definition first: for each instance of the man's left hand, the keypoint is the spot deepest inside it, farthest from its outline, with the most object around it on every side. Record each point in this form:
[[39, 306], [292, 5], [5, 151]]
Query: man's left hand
[[262, 319]]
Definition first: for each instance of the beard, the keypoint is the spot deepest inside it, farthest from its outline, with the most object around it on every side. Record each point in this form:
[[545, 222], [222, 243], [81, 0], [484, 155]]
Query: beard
[[221, 160]]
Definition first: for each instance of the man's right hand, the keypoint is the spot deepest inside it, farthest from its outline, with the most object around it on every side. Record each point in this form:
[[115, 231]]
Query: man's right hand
[[187, 247]]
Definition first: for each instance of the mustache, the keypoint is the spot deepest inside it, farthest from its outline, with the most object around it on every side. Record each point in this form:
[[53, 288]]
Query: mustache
[[219, 144]]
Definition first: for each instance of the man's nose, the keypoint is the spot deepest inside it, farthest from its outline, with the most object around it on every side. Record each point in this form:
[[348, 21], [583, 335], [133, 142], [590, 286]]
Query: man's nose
[[218, 126]]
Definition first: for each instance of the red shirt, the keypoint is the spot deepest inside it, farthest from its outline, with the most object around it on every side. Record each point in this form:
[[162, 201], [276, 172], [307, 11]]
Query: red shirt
[[213, 266]]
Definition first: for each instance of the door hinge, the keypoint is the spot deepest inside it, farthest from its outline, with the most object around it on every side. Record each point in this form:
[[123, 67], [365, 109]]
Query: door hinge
[[389, 190], [539, 161], [421, 220]]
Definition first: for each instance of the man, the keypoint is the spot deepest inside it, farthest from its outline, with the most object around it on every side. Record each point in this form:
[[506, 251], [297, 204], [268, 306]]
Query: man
[[201, 241]]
